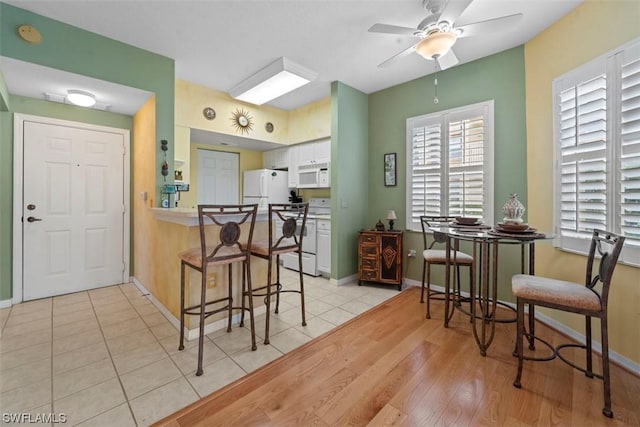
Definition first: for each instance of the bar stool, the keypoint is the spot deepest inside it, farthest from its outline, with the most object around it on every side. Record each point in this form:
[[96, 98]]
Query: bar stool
[[292, 219], [433, 256], [583, 299], [228, 250]]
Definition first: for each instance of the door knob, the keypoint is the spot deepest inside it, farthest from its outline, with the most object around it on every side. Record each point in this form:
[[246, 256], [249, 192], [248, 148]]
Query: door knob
[[33, 219]]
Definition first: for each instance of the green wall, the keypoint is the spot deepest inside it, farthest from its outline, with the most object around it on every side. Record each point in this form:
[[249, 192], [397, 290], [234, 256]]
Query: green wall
[[349, 176], [499, 77], [74, 50]]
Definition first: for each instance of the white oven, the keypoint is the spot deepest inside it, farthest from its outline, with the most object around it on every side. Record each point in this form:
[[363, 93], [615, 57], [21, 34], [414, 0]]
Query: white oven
[[290, 260], [309, 242]]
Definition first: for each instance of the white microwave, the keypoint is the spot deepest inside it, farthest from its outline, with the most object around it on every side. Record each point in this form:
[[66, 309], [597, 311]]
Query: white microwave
[[314, 176]]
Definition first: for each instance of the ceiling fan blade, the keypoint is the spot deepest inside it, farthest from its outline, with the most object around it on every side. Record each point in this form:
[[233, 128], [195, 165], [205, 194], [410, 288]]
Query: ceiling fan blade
[[392, 29], [453, 10], [406, 52], [447, 60], [495, 25]]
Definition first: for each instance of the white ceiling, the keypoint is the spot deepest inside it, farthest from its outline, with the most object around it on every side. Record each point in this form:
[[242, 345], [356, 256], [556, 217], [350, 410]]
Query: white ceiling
[[218, 43]]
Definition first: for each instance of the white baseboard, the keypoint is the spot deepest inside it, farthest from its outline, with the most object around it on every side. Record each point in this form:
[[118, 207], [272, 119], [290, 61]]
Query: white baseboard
[[344, 280], [6, 303], [191, 334], [628, 364]]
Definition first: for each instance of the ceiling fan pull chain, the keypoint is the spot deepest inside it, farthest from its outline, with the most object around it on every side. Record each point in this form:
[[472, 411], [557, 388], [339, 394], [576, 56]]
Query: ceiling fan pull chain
[[435, 83]]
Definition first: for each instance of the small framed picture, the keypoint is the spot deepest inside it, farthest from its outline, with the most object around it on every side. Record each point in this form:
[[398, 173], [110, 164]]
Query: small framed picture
[[390, 169]]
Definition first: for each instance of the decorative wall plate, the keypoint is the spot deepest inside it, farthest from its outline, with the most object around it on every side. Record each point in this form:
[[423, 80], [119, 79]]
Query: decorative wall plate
[[242, 121], [209, 113], [269, 127]]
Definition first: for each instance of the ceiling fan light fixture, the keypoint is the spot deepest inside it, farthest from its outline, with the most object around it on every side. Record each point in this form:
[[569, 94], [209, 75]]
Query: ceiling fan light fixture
[[436, 45], [81, 98]]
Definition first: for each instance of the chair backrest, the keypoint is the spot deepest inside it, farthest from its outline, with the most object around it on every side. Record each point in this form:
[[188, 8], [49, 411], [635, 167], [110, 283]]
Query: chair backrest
[[606, 247], [426, 222], [228, 246], [288, 237]]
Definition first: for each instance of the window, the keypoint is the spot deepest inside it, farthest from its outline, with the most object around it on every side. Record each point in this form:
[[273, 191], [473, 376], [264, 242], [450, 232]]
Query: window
[[450, 159], [597, 151]]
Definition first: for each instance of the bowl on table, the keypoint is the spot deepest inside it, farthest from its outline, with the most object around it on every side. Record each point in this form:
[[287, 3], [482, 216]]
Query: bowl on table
[[513, 226], [465, 220]]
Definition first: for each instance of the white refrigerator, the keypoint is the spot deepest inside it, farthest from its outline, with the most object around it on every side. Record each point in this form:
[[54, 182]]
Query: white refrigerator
[[264, 186]]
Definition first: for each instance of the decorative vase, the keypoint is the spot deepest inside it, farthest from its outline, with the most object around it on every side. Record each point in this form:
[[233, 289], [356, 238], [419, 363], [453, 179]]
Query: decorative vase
[[513, 210]]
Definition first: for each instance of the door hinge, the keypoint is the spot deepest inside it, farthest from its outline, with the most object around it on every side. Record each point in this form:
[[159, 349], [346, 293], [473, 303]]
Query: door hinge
[[124, 209], [124, 267]]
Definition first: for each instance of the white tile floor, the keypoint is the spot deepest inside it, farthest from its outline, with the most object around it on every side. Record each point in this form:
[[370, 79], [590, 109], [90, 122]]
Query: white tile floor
[[108, 357]]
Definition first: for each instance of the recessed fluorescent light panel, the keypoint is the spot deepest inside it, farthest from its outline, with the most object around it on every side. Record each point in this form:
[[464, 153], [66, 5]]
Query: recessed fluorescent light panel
[[280, 77]]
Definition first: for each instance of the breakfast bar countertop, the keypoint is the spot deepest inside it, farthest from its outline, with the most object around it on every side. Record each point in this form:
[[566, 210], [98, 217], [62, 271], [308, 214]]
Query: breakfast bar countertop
[[189, 216]]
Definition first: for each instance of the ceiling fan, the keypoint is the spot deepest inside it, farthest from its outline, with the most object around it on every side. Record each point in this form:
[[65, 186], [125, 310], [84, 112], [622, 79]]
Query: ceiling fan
[[438, 33]]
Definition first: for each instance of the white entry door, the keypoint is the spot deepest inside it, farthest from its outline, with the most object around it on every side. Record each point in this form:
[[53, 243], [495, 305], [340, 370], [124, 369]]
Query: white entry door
[[73, 210], [218, 177]]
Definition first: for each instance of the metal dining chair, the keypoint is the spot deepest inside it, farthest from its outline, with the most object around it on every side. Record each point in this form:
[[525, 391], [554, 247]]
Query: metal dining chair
[[434, 256], [232, 246], [583, 299]]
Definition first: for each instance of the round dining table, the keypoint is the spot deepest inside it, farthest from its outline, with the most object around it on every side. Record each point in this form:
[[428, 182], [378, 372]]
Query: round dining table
[[483, 292]]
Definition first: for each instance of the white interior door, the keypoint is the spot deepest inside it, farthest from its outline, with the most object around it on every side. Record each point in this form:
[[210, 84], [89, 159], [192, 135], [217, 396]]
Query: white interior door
[[73, 210], [218, 177]]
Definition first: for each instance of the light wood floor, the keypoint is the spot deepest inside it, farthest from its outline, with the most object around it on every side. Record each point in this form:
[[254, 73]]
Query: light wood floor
[[391, 366]]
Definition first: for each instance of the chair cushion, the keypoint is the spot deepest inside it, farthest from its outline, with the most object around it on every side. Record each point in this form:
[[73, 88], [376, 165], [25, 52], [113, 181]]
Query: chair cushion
[[261, 248], [193, 256], [555, 291], [440, 256]]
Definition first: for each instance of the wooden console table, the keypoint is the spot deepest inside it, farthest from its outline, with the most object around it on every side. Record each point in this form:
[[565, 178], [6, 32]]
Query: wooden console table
[[380, 257]]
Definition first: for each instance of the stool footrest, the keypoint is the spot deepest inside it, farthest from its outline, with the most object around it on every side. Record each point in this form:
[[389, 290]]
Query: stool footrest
[[194, 310], [555, 352]]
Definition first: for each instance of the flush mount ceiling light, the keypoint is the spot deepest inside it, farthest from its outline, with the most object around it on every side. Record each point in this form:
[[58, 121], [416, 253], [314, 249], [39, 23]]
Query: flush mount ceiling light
[[437, 44], [280, 77], [81, 98]]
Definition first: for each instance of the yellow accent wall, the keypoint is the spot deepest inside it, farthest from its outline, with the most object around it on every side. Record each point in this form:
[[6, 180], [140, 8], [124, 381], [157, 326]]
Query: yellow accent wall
[[146, 239], [191, 99], [310, 122], [306, 123], [590, 30]]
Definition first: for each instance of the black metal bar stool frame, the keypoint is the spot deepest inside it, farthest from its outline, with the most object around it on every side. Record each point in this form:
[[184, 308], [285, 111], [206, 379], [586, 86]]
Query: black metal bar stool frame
[[294, 218], [229, 250]]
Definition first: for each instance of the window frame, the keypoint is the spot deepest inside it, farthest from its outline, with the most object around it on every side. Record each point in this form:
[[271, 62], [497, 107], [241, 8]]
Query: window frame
[[445, 117], [608, 65]]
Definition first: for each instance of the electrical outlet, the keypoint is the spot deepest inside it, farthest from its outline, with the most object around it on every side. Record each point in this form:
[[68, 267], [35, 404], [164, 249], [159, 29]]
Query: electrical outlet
[[412, 253], [212, 282]]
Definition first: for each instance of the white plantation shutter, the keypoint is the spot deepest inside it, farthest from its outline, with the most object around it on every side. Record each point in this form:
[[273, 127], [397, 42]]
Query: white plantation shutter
[[630, 152], [449, 156], [426, 179], [597, 140], [466, 161], [583, 118]]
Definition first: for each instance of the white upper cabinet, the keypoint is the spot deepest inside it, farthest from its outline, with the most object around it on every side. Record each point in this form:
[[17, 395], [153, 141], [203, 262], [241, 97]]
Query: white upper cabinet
[[314, 152], [281, 158], [276, 159], [268, 159], [322, 151], [306, 153]]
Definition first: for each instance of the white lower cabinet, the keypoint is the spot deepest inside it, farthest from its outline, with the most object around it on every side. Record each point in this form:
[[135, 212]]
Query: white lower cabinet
[[323, 241]]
